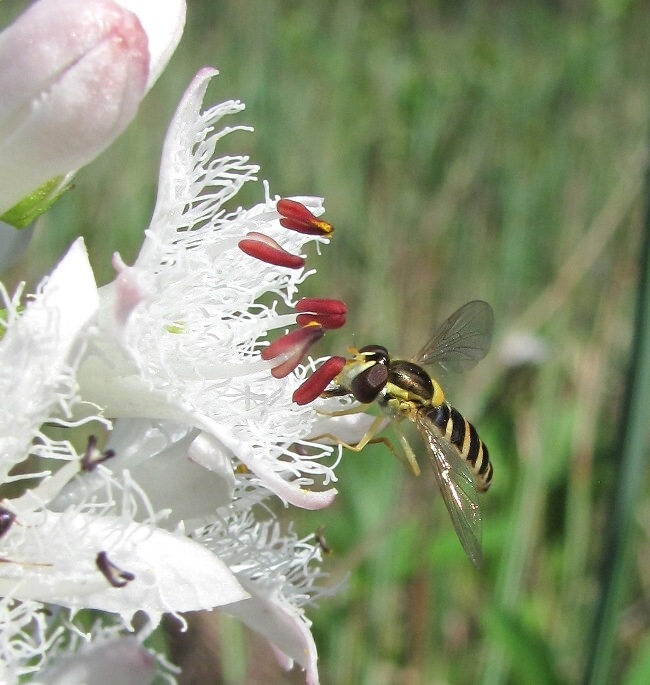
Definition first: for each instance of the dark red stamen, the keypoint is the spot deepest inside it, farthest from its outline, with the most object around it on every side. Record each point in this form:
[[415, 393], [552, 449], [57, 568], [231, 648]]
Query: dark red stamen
[[7, 519], [113, 574], [330, 314], [267, 250], [320, 540], [92, 456], [310, 389], [327, 321], [296, 217], [291, 348], [321, 305]]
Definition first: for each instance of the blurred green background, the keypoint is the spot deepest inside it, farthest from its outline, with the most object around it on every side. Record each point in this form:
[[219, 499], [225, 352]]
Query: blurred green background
[[493, 150]]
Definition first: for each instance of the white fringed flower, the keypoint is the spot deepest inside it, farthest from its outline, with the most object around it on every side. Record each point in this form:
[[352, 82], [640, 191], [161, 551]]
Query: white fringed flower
[[178, 349], [92, 553], [281, 574], [182, 332]]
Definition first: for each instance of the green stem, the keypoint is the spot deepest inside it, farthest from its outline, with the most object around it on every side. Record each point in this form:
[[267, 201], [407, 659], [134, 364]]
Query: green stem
[[634, 434]]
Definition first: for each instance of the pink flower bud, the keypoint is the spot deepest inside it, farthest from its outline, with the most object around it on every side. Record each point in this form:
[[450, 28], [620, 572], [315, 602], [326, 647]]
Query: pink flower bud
[[72, 74]]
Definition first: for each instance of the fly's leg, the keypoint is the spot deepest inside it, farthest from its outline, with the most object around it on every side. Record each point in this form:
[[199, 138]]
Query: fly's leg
[[360, 408], [370, 438], [408, 452]]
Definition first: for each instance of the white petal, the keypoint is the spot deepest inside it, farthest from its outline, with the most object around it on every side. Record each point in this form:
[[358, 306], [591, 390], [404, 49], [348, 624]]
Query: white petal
[[106, 662], [282, 625], [70, 290], [175, 479], [205, 452], [264, 468], [58, 565], [37, 350], [180, 473]]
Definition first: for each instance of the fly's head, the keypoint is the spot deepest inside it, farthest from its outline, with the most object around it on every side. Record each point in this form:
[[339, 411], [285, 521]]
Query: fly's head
[[365, 375]]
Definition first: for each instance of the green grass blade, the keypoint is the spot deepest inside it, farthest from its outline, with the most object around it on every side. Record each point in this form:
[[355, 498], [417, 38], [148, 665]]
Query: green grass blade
[[634, 441]]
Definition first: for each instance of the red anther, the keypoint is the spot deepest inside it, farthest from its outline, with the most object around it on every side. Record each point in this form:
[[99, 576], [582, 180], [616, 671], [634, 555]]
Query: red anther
[[330, 314], [291, 348], [311, 388], [321, 305], [327, 321], [268, 250], [296, 217]]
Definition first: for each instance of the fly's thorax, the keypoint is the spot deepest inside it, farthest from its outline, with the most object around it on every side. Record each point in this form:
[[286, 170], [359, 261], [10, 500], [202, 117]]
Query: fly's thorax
[[411, 383], [366, 374]]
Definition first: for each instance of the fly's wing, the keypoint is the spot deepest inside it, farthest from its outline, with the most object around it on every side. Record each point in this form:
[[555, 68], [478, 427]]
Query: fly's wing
[[457, 489], [462, 340]]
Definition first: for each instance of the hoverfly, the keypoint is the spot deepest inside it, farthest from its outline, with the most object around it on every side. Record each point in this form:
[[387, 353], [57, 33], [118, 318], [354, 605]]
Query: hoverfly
[[404, 390]]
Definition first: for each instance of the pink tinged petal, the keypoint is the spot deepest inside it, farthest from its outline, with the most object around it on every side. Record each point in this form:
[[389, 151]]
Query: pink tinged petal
[[163, 20], [267, 250], [128, 292], [282, 624], [170, 572], [72, 74], [330, 314], [105, 662], [288, 491], [296, 217], [311, 389], [287, 352]]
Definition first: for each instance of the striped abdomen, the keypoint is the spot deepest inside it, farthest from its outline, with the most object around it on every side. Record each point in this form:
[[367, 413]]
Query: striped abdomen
[[459, 432]]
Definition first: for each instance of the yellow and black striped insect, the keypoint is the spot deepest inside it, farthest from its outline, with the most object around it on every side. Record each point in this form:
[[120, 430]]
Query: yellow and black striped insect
[[405, 390]]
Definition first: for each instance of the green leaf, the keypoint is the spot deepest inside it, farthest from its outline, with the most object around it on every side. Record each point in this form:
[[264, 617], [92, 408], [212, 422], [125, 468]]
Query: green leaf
[[31, 207]]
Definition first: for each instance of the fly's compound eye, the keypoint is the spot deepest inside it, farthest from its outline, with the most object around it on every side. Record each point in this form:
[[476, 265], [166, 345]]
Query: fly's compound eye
[[374, 353], [367, 384]]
